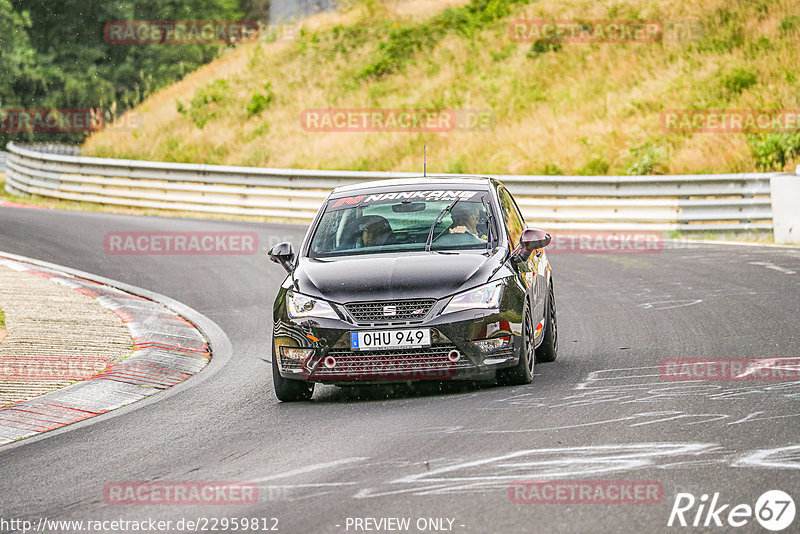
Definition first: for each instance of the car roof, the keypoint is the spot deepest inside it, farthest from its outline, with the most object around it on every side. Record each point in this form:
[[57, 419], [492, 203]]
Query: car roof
[[416, 183]]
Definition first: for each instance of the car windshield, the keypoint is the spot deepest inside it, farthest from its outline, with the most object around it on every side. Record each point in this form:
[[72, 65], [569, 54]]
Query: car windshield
[[401, 222]]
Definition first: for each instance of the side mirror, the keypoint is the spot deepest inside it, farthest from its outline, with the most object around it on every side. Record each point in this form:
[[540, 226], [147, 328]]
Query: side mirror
[[530, 240], [283, 253]]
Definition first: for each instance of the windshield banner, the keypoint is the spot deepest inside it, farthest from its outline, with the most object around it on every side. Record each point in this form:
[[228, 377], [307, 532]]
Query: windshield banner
[[419, 196]]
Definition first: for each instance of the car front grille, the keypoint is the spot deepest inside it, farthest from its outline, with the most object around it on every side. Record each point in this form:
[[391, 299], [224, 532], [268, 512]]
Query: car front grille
[[505, 352], [390, 311], [431, 363], [289, 363]]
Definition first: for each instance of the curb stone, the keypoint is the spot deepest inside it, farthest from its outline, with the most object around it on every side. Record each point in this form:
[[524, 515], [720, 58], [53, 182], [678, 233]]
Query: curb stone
[[57, 336], [168, 349]]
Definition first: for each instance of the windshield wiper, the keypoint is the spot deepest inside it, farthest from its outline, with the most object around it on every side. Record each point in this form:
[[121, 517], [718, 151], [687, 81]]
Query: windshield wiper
[[489, 220], [444, 212]]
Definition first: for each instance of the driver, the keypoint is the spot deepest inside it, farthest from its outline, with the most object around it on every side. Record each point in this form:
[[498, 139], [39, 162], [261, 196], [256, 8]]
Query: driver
[[375, 231]]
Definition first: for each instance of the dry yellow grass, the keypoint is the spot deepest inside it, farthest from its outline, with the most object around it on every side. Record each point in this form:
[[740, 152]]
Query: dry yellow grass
[[580, 109]]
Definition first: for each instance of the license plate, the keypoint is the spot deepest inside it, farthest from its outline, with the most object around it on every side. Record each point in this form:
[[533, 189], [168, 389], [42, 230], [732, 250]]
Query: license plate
[[390, 339]]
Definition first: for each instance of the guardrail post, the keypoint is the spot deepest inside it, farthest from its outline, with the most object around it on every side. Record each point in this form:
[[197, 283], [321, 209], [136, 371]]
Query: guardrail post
[[785, 195]]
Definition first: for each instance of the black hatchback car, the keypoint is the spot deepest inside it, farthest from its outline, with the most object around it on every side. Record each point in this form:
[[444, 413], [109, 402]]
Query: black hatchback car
[[413, 279]]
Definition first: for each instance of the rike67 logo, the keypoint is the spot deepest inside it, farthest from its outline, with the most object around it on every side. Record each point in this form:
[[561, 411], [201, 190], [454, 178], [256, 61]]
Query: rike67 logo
[[774, 510]]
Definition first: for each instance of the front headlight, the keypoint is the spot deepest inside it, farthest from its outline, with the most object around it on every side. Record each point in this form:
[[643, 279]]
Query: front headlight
[[299, 306], [480, 298]]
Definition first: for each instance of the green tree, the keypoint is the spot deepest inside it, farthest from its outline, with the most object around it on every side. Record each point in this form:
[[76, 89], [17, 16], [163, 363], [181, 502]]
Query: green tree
[[18, 59], [55, 54]]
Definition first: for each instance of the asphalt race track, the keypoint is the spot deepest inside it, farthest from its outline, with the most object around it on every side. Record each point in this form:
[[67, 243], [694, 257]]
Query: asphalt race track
[[601, 412]]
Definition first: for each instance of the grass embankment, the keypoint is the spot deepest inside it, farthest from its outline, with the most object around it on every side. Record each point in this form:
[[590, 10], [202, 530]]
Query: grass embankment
[[2, 325], [584, 108]]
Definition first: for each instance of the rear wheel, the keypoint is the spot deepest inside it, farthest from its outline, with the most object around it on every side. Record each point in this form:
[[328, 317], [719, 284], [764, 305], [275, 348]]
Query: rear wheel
[[288, 390], [522, 373], [548, 350]]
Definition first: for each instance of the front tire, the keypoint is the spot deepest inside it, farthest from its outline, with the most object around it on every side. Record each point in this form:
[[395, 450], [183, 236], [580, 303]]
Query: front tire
[[522, 373], [548, 350], [288, 390]]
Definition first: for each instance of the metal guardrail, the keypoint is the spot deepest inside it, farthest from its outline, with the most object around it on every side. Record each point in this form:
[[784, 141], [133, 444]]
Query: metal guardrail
[[704, 203], [53, 148]]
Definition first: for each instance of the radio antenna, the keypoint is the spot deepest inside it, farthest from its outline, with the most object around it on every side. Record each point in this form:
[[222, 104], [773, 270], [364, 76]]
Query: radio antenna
[[424, 161]]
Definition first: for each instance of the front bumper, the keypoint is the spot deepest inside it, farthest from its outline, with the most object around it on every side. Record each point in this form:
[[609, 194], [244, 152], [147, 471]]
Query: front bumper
[[327, 357]]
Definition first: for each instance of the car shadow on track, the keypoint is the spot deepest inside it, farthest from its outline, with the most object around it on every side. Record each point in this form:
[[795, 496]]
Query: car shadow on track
[[382, 392]]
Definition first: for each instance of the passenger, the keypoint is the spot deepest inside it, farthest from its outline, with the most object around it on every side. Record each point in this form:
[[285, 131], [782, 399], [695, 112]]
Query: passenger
[[466, 216]]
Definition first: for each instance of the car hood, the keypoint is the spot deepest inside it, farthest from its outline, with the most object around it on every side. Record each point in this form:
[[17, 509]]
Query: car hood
[[387, 277]]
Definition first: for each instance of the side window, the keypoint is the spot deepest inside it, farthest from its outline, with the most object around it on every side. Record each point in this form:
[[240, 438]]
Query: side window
[[514, 222]]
